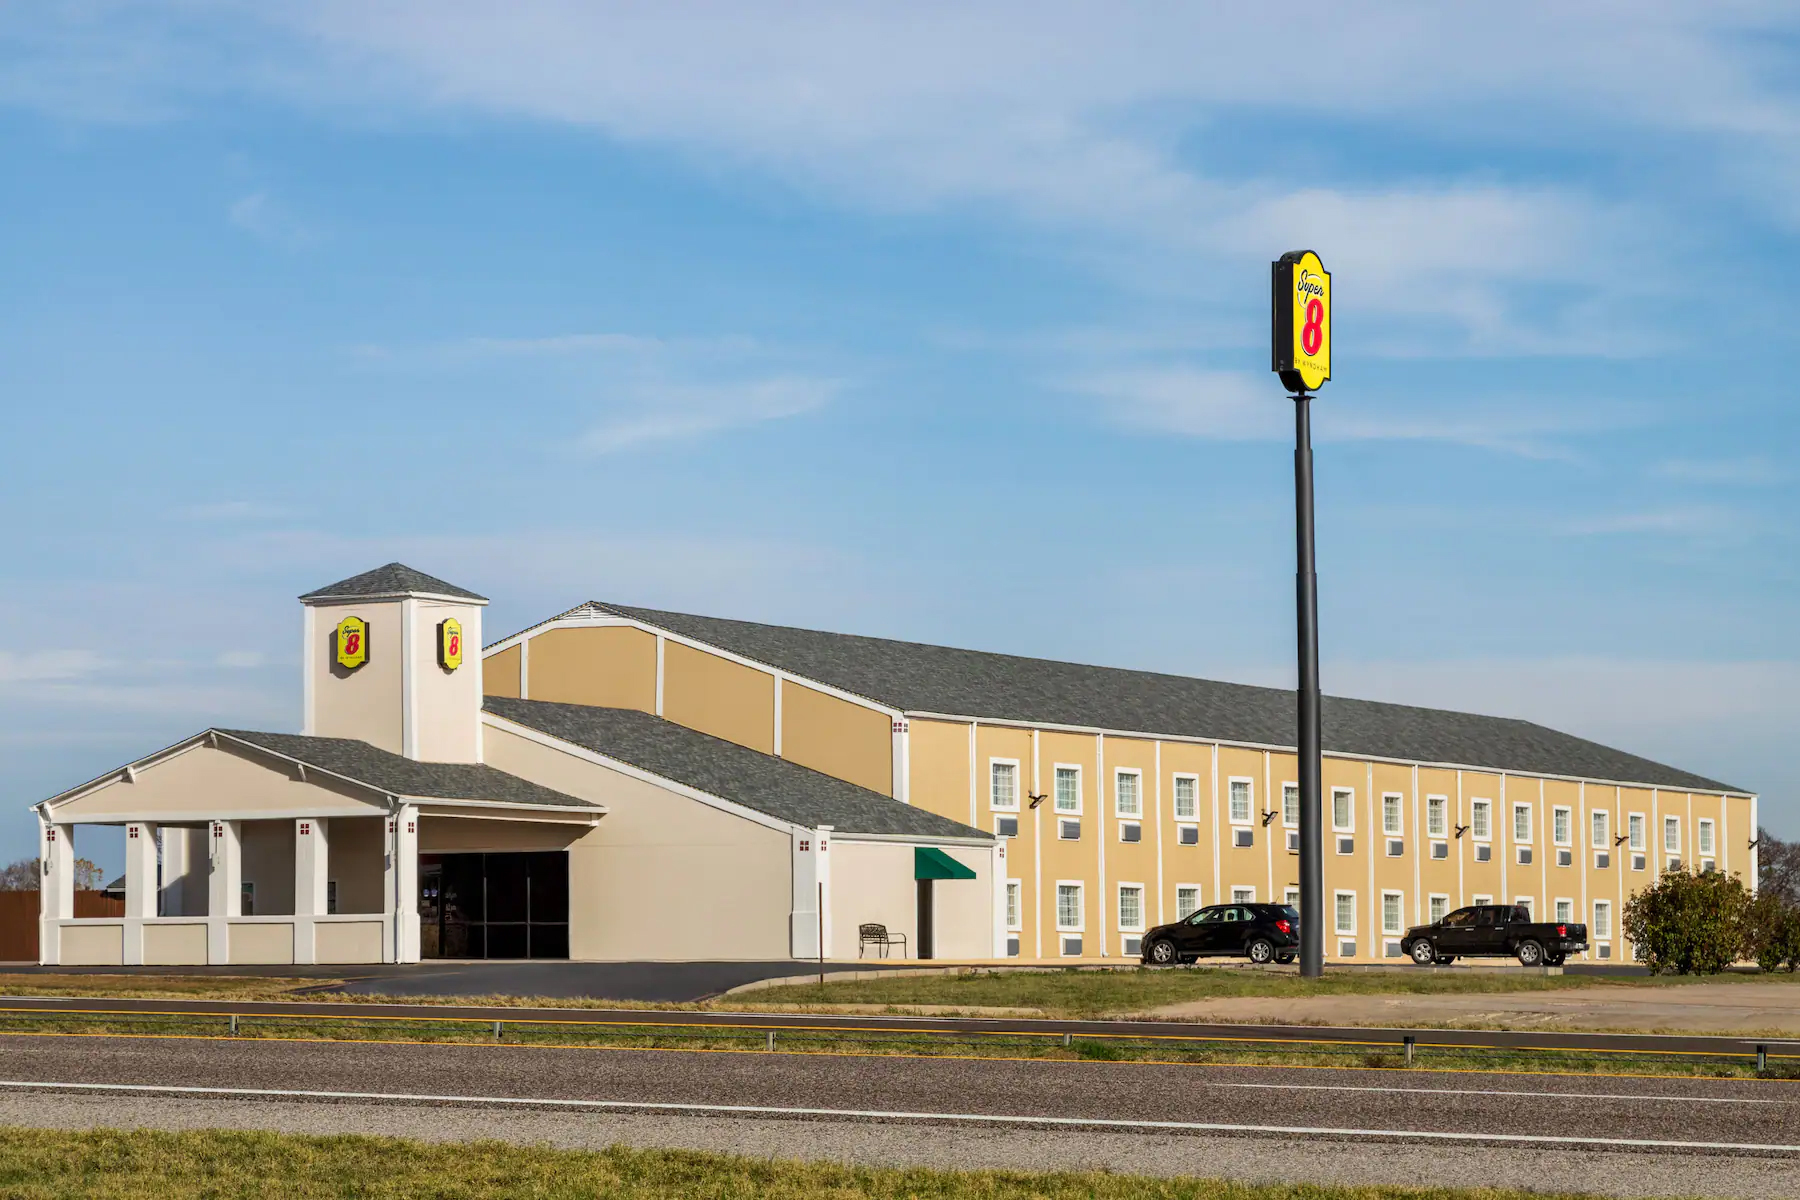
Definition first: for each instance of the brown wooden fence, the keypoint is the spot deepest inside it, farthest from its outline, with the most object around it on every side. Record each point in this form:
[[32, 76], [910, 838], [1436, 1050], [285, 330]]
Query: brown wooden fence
[[19, 920]]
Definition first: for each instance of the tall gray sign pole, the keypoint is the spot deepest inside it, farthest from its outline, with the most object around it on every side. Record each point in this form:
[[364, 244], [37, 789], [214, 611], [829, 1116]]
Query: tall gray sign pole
[[1306, 605], [1300, 348]]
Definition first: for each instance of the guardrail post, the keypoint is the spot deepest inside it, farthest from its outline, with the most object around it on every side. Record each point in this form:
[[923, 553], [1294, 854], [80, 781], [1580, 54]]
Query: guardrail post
[[771, 1039], [1068, 1040], [1409, 1042], [1762, 1058], [497, 1026]]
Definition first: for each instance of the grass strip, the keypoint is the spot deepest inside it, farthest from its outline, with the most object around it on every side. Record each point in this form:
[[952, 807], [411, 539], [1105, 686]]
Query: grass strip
[[1196, 1052], [127, 1165]]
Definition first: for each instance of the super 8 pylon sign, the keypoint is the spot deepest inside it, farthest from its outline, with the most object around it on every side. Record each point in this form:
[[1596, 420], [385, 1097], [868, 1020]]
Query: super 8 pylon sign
[[1300, 312]]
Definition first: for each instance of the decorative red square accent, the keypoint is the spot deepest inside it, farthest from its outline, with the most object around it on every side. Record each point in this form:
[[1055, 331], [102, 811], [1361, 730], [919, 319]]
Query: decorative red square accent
[[305, 829], [805, 846], [412, 827], [131, 831]]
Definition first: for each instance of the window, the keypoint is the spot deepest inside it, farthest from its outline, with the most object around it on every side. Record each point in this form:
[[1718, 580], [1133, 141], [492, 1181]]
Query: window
[[331, 897], [1004, 785], [1672, 834], [1012, 904], [1705, 831], [1635, 827], [1391, 817], [1521, 822], [1602, 918], [1437, 908], [1481, 820], [1602, 829], [1240, 801], [1243, 895], [1343, 809], [1437, 816], [1068, 829], [1291, 898], [1561, 826], [1068, 789], [1131, 831], [1242, 838], [1187, 900], [1290, 804], [1006, 827], [1524, 902], [1565, 910], [1391, 904], [1187, 797], [1481, 900], [1131, 906], [1068, 906], [1344, 910], [1187, 835], [1128, 793], [247, 899]]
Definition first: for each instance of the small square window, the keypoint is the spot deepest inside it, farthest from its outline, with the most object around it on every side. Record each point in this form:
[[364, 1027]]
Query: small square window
[[1187, 835], [1484, 853], [1293, 841], [1396, 847], [1243, 837], [1068, 830], [1440, 849], [1006, 827], [1602, 859], [1130, 831], [1524, 856], [1243, 895], [1346, 845]]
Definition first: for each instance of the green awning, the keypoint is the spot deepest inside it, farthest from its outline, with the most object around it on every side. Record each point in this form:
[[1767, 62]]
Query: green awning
[[931, 863]]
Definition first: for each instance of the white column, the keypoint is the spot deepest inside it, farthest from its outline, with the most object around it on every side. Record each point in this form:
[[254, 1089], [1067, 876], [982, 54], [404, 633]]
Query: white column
[[311, 860], [224, 886], [822, 873], [56, 887], [998, 871], [400, 892], [804, 917], [140, 887]]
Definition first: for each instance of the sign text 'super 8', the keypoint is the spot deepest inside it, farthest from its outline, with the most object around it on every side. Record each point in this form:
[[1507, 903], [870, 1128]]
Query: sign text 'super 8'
[[1300, 312]]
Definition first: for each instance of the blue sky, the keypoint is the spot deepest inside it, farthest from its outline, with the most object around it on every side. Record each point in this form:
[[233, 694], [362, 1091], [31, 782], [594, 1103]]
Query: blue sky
[[936, 322]]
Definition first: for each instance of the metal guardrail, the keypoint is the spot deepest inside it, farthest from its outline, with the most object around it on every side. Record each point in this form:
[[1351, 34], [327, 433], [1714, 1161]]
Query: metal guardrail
[[794, 1036]]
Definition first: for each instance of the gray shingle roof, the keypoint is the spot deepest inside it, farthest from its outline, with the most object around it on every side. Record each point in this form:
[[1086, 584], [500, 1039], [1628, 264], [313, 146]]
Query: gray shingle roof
[[400, 776], [775, 786], [913, 677], [395, 579]]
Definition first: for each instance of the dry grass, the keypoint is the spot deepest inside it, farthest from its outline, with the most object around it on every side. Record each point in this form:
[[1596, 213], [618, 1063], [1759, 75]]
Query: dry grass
[[164, 987], [112, 1165]]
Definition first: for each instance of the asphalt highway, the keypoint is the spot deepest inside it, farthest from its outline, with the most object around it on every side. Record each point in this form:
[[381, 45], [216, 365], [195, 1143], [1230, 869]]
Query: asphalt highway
[[1777, 1048], [1623, 1136]]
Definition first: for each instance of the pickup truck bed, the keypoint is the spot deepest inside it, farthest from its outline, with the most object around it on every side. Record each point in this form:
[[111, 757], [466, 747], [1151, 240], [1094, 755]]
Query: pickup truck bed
[[1493, 931]]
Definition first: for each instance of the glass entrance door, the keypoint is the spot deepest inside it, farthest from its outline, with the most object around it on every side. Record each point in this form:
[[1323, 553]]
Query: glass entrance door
[[494, 905]]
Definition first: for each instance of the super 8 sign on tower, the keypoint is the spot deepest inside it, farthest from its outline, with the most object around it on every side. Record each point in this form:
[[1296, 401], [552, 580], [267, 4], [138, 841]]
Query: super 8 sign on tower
[[1300, 309]]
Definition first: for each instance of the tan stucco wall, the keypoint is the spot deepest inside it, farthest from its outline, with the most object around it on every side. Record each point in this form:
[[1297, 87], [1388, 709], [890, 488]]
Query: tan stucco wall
[[456, 834], [447, 704], [837, 737], [175, 945], [607, 666], [92, 945], [355, 859], [364, 703], [268, 862], [716, 696], [347, 941], [271, 942], [661, 876], [500, 672], [939, 767], [873, 882], [205, 783]]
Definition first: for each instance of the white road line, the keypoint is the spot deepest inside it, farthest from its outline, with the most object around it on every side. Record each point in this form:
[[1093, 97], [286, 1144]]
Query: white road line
[[1429, 1091], [877, 1114]]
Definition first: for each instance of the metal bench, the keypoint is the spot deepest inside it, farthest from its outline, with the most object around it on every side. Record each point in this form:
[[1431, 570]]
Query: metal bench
[[878, 935]]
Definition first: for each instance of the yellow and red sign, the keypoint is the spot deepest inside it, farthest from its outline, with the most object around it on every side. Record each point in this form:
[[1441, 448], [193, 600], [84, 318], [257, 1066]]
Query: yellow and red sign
[[350, 643], [1300, 312], [450, 644]]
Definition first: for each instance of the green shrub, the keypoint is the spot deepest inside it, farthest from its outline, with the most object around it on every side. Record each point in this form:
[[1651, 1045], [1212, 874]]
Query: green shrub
[[1689, 923], [1772, 932]]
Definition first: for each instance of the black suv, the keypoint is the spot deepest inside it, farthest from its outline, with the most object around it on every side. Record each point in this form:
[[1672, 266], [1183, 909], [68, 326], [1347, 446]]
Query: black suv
[[1259, 932]]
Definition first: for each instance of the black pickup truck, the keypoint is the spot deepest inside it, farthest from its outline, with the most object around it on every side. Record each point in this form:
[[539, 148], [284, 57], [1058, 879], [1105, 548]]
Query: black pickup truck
[[1494, 931]]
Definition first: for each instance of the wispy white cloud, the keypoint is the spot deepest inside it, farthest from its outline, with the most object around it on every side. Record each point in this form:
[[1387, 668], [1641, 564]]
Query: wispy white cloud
[[47, 666], [1753, 470], [268, 220], [1699, 520], [1236, 406]]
